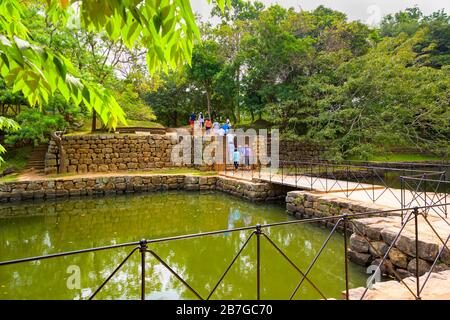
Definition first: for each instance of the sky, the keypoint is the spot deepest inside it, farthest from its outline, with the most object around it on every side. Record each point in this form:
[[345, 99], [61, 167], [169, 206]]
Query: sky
[[367, 11]]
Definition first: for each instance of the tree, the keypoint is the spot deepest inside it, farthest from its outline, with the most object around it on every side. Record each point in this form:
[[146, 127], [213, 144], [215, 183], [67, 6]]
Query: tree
[[407, 21], [165, 28], [434, 48], [132, 102], [236, 21], [174, 100], [382, 99], [206, 64]]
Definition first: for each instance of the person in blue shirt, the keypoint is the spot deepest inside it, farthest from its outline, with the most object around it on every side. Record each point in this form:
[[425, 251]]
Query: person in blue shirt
[[226, 127], [236, 158], [192, 119]]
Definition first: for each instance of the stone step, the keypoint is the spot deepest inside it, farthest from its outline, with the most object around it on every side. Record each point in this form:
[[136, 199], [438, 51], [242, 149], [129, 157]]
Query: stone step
[[36, 160]]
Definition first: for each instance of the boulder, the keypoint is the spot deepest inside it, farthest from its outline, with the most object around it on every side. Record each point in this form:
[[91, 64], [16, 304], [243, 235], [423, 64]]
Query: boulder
[[373, 232], [386, 267], [362, 259], [291, 207], [424, 266], [445, 256], [403, 273], [378, 248], [358, 243], [398, 258], [427, 250], [388, 234]]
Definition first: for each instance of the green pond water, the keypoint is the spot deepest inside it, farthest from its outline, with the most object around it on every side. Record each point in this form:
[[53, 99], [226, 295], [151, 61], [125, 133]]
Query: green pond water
[[31, 229]]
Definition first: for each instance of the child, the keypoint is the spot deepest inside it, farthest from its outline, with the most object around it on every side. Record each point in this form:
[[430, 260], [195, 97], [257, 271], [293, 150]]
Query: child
[[236, 158]]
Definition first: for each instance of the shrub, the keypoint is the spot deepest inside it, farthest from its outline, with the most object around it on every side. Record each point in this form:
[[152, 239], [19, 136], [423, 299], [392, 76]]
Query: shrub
[[35, 127]]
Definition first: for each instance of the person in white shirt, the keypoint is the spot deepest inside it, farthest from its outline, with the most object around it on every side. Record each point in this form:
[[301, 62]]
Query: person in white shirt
[[230, 142], [201, 119], [216, 127]]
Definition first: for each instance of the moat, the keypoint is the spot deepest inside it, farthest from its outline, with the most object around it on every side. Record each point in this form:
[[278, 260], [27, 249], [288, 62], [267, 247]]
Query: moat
[[39, 228]]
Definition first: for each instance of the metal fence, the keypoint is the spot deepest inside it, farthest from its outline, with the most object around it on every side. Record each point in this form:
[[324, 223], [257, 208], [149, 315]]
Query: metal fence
[[424, 189], [345, 223], [373, 182]]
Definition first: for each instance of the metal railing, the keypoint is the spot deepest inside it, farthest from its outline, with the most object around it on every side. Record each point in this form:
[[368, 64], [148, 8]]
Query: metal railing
[[374, 182], [345, 222], [435, 165], [424, 189]]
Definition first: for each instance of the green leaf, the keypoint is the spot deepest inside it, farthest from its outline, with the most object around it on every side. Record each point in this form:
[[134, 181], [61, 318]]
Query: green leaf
[[61, 67]]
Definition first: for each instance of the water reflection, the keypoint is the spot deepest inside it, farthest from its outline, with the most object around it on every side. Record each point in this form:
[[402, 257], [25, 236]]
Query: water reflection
[[47, 227], [235, 217]]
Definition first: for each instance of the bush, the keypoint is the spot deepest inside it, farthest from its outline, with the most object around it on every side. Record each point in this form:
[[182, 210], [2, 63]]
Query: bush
[[35, 127]]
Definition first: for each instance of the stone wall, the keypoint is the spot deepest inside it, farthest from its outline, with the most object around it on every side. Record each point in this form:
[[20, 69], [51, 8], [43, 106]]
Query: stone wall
[[258, 191], [299, 151], [371, 237], [112, 152], [122, 152], [73, 187], [290, 150]]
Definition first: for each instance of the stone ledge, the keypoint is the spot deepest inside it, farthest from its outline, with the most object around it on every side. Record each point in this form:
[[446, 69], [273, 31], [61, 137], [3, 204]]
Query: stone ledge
[[437, 288], [118, 184], [380, 231]]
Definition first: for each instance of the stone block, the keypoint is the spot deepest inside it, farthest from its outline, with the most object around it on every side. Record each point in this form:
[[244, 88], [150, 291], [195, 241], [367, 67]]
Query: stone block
[[424, 266], [378, 248], [191, 180], [398, 258], [358, 244], [362, 259]]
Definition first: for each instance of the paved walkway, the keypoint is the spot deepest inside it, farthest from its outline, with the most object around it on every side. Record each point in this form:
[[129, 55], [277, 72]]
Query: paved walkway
[[389, 198]]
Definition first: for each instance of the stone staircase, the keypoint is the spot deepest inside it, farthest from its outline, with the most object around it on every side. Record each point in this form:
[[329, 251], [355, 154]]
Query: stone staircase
[[36, 161]]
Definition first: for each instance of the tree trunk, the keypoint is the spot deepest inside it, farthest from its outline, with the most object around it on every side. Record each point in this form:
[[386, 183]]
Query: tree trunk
[[94, 121], [208, 99], [253, 115], [174, 119], [233, 115], [238, 85], [57, 137]]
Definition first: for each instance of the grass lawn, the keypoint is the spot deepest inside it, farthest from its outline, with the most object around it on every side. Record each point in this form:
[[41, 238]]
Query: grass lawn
[[86, 128], [143, 124], [183, 171], [406, 158]]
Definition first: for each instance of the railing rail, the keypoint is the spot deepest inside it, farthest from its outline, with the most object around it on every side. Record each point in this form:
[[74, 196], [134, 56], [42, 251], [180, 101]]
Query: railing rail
[[426, 189], [347, 179], [257, 231]]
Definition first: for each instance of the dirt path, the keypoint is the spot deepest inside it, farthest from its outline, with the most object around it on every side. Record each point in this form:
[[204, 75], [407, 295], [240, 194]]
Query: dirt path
[[33, 175]]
